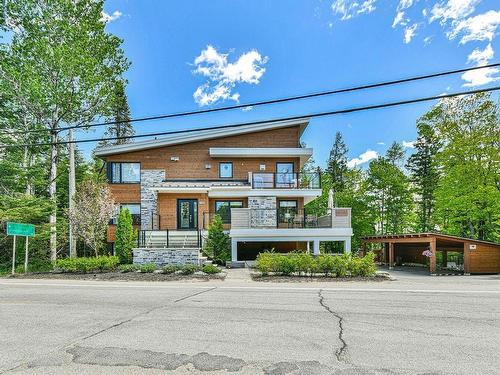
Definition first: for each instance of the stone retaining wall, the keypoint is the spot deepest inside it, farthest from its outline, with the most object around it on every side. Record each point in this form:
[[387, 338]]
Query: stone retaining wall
[[162, 257]]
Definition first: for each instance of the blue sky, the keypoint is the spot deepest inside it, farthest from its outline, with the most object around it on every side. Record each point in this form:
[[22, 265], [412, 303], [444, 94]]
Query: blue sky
[[191, 54]]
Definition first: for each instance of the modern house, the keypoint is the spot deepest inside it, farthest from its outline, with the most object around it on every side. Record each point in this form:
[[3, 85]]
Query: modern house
[[250, 175]]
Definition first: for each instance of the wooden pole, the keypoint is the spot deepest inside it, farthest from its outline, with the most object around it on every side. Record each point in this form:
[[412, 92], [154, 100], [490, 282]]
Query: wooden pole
[[391, 255], [26, 256], [14, 256]]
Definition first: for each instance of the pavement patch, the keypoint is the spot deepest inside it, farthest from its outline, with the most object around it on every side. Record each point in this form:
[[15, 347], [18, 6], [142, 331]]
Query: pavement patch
[[112, 356]]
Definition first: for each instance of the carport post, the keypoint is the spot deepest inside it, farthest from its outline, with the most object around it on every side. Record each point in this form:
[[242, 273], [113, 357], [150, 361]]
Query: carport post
[[391, 255], [432, 260]]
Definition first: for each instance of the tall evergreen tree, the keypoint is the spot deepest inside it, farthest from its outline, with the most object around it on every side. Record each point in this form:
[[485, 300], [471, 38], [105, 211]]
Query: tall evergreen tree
[[395, 154], [424, 173], [337, 163], [121, 115]]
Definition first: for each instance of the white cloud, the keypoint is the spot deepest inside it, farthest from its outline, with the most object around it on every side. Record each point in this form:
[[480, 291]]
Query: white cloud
[[348, 9], [223, 75], [452, 10], [247, 108], [399, 19], [410, 32], [480, 27], [480, 77], [408, 144], [381, 143], [106, 17], [481, 57], [365, 157], [427, 40]]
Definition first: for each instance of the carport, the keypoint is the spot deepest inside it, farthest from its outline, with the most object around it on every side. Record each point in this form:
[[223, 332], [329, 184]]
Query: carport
[[476, 256]]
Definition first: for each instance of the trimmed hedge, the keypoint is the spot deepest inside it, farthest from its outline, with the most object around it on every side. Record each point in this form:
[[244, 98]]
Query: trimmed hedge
[[299, 263], [87, 264]]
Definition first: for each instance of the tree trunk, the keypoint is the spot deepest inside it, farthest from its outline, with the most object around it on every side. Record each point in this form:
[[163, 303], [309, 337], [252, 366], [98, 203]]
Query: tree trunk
[[52, 195]]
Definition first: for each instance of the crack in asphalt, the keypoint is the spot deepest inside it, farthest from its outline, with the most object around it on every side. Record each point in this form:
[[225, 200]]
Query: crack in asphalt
[[341, 352], [144, 313], [75, 342]]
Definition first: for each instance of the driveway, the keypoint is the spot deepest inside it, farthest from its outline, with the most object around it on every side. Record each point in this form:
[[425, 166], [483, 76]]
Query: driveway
[[414, 325]]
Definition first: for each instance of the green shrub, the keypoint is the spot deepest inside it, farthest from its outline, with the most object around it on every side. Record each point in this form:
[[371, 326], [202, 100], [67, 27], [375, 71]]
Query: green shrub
[[284, 264], [210, 269], [35, 266], [265, 263], [125, 237], [129, 268], [364, 266], [148, 267], [171, 268], [326, 264], [217, 246], [189, 269], [87, 264], [303, 263], [341, 264]]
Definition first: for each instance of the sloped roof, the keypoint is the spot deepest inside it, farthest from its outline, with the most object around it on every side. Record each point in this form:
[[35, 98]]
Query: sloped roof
[[423, 235], [200, 135]]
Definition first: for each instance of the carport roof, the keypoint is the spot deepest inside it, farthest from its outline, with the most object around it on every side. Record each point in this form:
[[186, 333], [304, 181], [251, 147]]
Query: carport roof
[[389, 237]]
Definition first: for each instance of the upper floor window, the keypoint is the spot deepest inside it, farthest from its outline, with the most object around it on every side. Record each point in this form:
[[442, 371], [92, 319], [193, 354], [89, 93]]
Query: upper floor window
[[285, 178], [124, 173], [135, 211], [226, 170]]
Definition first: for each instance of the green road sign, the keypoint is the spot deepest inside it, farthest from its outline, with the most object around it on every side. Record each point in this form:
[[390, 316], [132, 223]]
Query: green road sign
[[19, 229]]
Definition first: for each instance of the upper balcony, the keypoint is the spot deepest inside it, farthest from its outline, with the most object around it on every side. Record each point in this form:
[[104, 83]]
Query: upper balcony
[[262, 218], [269, 180]]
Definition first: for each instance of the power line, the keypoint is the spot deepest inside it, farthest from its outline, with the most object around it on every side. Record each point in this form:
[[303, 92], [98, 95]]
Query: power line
[[267, 102], [309, 116]]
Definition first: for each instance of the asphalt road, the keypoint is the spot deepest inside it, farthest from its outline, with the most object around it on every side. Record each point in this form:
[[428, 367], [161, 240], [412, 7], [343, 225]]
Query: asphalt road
[[415, 325]]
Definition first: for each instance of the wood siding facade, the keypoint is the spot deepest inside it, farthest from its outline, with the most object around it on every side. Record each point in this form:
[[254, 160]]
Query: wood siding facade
[[193, 162]]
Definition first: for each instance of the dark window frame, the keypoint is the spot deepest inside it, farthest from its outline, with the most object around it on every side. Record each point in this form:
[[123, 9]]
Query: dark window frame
[[109, 172], [114, 220], [284, 184], [232, 168], [229, 201], [285, 162]]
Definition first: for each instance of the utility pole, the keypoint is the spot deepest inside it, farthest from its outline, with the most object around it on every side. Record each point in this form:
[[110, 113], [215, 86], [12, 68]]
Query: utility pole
[[71, 151]]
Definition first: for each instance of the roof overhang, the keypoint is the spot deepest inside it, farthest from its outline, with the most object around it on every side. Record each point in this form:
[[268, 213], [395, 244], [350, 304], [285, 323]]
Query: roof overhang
[[233, 152], [241, 192], [196, 135]]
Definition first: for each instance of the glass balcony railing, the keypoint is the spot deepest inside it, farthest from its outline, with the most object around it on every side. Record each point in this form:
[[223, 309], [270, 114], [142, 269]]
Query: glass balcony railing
[[267, 180]]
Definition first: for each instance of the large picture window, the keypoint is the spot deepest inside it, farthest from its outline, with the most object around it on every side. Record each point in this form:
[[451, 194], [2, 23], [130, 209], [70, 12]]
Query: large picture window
[[135, 211], [223, 209], [124, 173], [285, 178], [226, 170]]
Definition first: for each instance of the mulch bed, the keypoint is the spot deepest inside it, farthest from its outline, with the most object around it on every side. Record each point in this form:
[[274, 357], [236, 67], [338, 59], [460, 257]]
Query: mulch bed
[[122, 276], [317, 278]]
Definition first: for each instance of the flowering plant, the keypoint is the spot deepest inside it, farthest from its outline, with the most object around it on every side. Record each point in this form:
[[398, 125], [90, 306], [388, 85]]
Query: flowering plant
[[427, 253]]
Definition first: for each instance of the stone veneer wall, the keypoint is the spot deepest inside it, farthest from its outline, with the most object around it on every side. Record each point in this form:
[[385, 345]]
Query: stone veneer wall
[[263, 212], [149, 179], [161, 257]]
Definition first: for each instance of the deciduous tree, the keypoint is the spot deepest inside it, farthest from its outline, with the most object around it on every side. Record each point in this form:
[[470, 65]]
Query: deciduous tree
[[94, 206]]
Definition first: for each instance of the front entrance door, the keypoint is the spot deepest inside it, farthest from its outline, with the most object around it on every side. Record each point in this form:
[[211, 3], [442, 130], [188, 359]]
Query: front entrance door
[[187, 214]]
